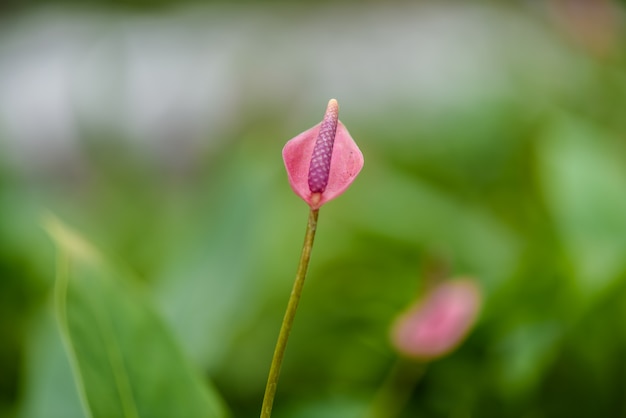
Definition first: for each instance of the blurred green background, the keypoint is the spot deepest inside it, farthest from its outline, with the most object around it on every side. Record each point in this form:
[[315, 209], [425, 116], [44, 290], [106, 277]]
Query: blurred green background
[[494, 141]]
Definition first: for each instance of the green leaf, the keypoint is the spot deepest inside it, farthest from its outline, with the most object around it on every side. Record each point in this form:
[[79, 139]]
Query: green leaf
[[125, 362], [523, 355], [404, 208], [48, 390], [585, 185]]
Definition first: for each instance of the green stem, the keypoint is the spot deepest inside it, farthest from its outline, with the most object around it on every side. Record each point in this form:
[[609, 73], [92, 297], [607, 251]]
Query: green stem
[[290, 314], [396, 390]]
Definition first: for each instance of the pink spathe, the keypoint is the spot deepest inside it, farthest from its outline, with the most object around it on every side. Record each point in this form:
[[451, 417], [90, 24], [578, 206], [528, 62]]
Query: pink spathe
[[317, 183], [439, 322]]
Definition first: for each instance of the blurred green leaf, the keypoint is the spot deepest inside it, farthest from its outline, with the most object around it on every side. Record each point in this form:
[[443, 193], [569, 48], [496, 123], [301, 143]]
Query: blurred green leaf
[[335, 406], [524, 355], [406, 208], [49, 391], [125, 362], [585, 186], [210, 286]]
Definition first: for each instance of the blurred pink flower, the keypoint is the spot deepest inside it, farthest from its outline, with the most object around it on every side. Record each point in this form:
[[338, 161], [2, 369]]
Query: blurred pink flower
[[322, 161], [438, 322]]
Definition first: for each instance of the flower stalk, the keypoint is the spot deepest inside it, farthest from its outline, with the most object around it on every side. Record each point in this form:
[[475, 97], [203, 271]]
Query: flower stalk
[[290, 313]]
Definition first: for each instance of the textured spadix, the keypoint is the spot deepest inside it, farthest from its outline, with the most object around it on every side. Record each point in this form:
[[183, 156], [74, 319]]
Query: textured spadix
[[439, 322], [322, 161]]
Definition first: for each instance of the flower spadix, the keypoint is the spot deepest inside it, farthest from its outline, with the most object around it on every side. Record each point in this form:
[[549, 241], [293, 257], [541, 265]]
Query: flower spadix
[[439, 322], [322, 161]]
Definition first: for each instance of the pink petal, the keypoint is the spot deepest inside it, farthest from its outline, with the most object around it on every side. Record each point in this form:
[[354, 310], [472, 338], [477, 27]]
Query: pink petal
[[345, 164], [439, 322]]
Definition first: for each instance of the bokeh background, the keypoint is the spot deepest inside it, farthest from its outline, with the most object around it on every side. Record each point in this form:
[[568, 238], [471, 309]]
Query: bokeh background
[[494, 135]]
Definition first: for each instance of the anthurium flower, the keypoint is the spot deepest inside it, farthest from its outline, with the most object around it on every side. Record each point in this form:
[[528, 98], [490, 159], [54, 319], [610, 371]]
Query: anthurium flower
[[323, 161], [438, 322]]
